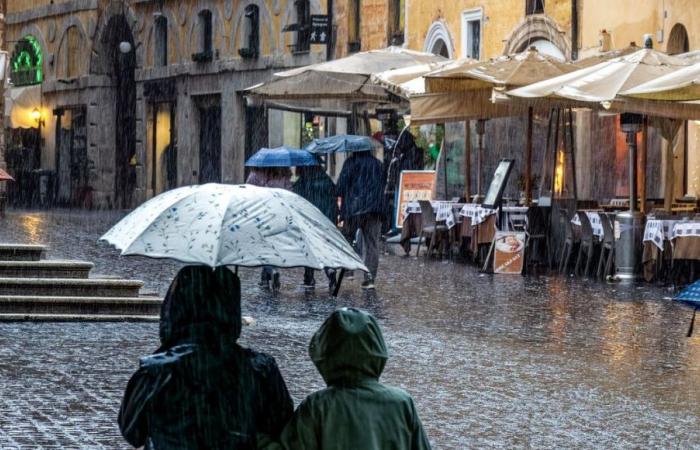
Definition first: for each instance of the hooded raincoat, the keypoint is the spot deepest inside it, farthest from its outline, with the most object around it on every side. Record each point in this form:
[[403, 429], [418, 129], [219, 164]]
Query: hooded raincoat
[[361, 185], [355, 411], [201, 390]]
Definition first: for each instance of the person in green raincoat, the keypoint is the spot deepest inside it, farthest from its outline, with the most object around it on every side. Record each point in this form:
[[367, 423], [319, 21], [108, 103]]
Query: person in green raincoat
[[201, 390], [355, 411], [317, 187]]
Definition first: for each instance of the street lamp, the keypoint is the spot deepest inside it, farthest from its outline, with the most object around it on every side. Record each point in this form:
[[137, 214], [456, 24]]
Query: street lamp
[[36, 115]]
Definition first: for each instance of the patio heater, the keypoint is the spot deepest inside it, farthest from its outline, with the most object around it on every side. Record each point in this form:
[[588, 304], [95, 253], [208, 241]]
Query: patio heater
[[629, 225]]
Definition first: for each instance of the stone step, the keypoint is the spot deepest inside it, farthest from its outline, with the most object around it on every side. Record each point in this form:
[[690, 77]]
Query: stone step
[[45, 269], [21, 252], [76, 318], [33, 305], [70, 287]]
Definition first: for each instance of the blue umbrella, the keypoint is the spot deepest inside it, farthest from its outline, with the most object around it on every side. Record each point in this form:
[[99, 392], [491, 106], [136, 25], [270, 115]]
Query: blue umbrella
[[281, 157], [690, 296], [345, 143]]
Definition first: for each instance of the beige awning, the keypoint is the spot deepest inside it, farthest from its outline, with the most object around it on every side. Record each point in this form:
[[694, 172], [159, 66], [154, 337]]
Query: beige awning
[[406, 81], [20, 103], [603, 82], [680, 85], [458, 106], [345, 78]]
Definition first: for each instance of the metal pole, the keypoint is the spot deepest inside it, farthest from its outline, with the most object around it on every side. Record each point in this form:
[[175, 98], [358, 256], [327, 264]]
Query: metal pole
[[528, 159], [643, 166], [467, 160], [632, 162], [331, 42], [480, 130]]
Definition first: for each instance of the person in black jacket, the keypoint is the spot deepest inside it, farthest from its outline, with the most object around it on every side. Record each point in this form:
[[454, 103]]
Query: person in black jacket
[[361, 187], [201, 390], [317, 187]]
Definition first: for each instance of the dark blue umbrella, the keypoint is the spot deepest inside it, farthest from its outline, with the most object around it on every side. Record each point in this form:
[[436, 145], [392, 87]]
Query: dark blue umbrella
[[690, 296], [281, 157], [345, 143]]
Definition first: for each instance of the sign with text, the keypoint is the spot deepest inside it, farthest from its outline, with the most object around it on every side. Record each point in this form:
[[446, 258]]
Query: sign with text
[[320, 24], [508, 252], [414, 185]]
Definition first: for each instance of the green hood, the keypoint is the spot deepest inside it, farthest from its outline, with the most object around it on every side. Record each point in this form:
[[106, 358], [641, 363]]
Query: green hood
[[349, 347]]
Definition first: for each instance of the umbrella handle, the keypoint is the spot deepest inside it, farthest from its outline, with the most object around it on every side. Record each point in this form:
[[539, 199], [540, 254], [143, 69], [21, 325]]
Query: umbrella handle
[[340, 281], [692, 323]]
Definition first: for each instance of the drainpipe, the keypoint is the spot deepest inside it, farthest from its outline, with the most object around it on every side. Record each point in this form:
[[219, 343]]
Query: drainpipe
[[574, 30], [331, 41]]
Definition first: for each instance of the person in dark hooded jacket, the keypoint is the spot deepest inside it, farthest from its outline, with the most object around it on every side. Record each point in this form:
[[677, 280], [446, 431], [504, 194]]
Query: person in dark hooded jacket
[[201, 390], [317, 187], [355, 411]]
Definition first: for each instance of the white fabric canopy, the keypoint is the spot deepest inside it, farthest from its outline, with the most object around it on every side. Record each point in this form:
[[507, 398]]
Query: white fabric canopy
[[603, 82], [681, 85]]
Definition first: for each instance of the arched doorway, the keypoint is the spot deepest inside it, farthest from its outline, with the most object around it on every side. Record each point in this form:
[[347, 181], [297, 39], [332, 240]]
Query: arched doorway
[[118, 50], [438, 41], [678, 40]]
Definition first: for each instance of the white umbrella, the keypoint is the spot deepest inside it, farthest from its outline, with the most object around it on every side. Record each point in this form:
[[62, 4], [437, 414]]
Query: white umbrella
[[681, 85], [234, 225]]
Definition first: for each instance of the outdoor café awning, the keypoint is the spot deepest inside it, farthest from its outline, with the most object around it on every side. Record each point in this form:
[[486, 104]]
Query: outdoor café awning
[[681, 85], [347, 79], [459, 106]]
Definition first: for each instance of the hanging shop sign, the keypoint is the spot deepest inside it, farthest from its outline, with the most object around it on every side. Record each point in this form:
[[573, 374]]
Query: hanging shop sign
[[414, 185], [508, 252]]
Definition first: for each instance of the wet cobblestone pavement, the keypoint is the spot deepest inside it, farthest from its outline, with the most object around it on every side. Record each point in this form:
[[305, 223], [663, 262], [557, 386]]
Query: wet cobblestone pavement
[[493, 362]]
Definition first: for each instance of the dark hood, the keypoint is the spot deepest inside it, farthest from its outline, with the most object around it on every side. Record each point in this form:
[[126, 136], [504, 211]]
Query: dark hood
[[349, 347], [202, 306]]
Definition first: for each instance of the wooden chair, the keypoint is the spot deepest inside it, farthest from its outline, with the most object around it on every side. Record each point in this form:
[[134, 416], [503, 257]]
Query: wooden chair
[[607, 249], [430, 229], [586, 247]]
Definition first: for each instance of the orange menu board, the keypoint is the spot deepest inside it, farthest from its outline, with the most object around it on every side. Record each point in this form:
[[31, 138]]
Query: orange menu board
[[414, 185]]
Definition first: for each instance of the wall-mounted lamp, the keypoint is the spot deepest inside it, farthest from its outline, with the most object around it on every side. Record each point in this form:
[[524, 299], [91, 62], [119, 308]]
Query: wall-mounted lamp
[[37, 116]]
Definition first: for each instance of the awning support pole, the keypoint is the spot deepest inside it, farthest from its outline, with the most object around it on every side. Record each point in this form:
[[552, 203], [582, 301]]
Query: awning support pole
[[528, 159]]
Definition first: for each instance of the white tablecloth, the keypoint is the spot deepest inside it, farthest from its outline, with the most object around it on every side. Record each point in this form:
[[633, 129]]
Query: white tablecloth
[[658, 231], [686, 229], [444, 211], [596, 224], [476, 212]]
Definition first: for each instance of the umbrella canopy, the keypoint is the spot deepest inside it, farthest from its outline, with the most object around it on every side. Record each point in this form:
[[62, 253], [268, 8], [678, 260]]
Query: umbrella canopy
[[680, 85], [504, 72], [347, 78], [4, 176], [346, 143], [603, 82], [690, 295], [407, 81], [281, 157], [233, 225]]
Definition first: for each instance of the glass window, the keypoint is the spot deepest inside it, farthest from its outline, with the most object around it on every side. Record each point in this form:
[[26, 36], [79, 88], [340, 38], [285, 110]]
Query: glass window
[[534, 7], [252, 32], [303, 25], [471, 34], [160, 57]]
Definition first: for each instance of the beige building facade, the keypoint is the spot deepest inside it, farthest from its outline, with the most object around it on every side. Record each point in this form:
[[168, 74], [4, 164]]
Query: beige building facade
[[138, 96]]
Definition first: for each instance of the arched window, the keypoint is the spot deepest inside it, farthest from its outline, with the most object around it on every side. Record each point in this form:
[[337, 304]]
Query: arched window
[[205, 37], [160, 56], [69, 58], [26, 62], [252, 32]]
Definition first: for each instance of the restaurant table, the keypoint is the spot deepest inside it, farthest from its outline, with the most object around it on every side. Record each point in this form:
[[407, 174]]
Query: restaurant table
[[686, 240], [476, 213], [656, 246], [444, 210], [594, 218]]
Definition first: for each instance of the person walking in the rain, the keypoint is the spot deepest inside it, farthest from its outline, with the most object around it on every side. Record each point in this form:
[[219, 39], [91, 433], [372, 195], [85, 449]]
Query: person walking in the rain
[[317, 187], [355, 411], [201, 390], [361, 187], [272, 177]]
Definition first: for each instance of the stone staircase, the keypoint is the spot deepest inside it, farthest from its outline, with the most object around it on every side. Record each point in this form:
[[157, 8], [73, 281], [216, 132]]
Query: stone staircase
[[35, 289]]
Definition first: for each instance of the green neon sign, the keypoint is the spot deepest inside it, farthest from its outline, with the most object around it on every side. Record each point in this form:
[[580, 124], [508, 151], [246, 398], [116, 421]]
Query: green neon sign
[[26, 62]]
